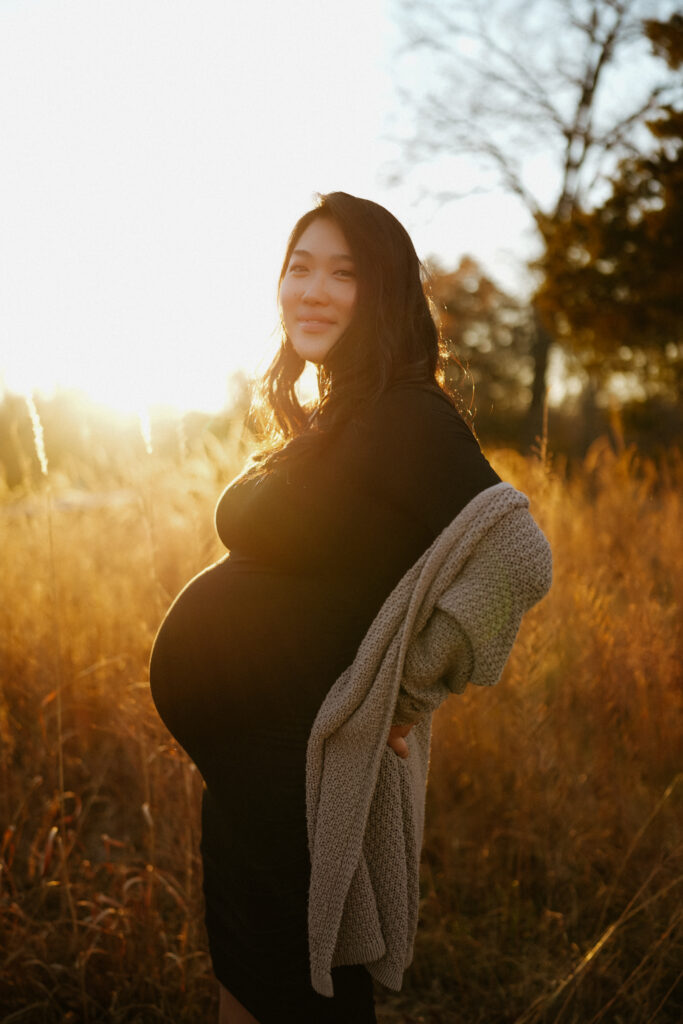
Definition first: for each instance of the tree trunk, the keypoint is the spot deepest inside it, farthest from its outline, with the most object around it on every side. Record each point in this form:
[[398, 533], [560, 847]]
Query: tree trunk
[[590, 423], [540, 351]]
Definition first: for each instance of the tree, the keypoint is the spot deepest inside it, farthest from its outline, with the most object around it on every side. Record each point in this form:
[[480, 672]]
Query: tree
[[612, 276], [490, 333], [517, 81]]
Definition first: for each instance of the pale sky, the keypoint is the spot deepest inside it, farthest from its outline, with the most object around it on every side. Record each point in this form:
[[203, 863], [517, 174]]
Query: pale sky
[[155, 155]]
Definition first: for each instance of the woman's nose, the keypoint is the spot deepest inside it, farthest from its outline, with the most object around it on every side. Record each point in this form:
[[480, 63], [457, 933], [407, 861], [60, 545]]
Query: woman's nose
[[315, 290]]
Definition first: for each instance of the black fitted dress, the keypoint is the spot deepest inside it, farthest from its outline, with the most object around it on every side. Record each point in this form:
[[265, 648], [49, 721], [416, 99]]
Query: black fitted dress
[[251, 646]]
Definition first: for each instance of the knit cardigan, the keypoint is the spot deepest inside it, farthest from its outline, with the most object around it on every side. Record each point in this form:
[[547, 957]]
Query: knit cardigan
[[452, 619]]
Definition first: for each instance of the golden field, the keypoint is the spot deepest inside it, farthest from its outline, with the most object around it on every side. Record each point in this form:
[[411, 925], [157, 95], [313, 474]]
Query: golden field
[[554, 848]]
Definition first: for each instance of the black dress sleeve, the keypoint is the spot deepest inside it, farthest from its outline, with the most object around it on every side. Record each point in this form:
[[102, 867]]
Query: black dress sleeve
[[421, 457]]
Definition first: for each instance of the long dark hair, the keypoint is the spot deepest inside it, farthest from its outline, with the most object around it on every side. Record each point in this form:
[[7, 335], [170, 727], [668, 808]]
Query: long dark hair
[[392, 336]]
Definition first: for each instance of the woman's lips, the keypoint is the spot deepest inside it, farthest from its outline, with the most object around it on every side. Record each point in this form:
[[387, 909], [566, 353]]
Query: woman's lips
[[314, 324]]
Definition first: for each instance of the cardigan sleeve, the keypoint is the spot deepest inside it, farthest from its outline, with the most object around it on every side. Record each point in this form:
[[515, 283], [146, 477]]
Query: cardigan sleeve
[[471, 630], [439, 662]]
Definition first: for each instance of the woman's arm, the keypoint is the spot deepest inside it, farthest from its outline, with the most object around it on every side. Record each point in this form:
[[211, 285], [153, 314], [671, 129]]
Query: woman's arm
[[427, 465]]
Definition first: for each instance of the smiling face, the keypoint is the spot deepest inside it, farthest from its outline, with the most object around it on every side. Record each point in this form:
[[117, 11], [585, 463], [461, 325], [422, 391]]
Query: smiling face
[[318, 290]]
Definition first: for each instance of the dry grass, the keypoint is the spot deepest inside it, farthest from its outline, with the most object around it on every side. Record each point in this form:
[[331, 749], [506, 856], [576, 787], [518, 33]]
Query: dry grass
[[552, 864]]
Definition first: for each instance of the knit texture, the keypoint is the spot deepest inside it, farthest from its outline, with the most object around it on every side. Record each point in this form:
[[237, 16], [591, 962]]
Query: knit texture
[[452, 619]]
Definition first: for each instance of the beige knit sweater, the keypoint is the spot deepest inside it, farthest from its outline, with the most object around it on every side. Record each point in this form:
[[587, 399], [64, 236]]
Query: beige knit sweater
[[452, 619]]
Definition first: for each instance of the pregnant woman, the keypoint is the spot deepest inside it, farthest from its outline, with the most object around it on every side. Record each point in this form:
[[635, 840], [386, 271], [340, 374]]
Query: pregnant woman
[[273, 669]]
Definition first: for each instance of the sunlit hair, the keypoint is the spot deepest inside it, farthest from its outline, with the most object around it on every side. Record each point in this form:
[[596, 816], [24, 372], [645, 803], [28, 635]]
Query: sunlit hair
[[392, 335]]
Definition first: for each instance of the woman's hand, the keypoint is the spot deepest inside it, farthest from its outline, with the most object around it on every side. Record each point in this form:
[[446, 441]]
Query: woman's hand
[[396, 740]]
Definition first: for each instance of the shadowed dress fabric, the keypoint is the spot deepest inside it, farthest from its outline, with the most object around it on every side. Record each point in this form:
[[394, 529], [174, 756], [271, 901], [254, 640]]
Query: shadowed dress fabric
[[250, 648]]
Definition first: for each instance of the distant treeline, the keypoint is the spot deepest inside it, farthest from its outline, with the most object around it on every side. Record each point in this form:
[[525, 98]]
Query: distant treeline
[[89, 444]]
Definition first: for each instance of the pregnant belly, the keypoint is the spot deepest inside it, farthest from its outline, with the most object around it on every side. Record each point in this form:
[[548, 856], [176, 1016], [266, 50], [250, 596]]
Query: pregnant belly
[[242, 662]]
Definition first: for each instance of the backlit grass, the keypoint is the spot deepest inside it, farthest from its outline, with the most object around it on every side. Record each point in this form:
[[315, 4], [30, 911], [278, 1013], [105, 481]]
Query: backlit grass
[[552, 863]]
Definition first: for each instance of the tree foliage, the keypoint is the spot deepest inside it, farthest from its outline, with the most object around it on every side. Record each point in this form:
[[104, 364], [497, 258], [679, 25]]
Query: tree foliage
[[490, 334], [515, 83], [613, 275]]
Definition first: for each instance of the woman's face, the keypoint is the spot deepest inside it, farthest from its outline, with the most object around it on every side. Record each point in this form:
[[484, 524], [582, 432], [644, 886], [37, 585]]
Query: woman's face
[[318, 291]]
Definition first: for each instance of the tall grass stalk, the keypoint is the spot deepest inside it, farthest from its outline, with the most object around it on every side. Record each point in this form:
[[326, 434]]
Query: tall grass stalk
[[61, 837], [146, 429]]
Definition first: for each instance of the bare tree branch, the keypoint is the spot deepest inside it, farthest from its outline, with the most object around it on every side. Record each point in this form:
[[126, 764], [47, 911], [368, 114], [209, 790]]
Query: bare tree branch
[[579, 135], [495, 96]]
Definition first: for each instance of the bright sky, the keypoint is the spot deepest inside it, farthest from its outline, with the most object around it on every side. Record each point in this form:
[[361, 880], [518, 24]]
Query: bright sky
[[156, 153]]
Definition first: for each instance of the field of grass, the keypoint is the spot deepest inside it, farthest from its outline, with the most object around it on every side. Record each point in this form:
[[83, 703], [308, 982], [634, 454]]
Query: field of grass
[[554, 848]]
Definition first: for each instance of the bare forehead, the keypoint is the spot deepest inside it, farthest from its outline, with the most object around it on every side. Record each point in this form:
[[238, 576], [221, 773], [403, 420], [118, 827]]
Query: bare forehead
[[323, 239], [332, 255]]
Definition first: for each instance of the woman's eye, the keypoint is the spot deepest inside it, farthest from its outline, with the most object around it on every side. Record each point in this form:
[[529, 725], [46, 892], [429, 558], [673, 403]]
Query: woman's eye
[[342, 273]]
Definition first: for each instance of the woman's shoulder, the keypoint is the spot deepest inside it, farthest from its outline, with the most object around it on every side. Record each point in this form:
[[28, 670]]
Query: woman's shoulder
[[412, 392], [419, 455], [414, 407]]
